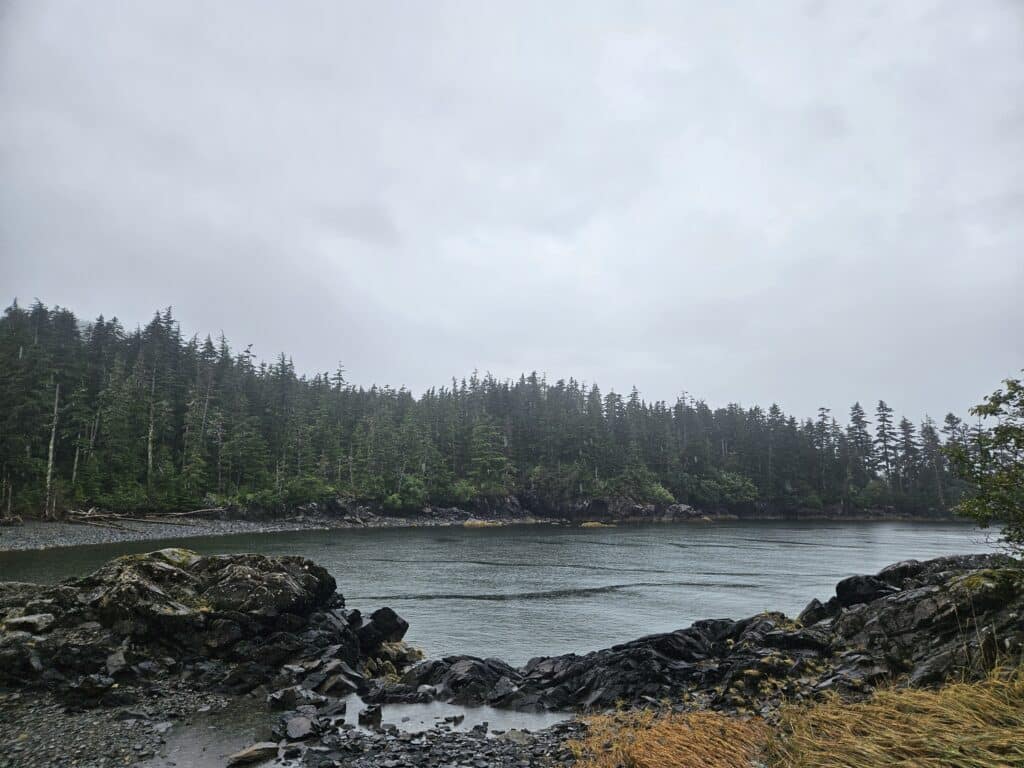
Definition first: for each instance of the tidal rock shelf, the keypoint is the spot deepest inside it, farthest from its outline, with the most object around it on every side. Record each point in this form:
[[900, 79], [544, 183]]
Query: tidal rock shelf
[[153, 639], [918, 622]]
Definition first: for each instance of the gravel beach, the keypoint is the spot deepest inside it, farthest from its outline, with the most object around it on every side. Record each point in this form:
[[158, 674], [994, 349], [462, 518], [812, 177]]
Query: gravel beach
[[38, 535], [35, 534]]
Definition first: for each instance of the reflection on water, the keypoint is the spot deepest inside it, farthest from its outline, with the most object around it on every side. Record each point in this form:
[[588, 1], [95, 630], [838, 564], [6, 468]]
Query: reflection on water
[[527, 591], [416, 718], [207, 740]]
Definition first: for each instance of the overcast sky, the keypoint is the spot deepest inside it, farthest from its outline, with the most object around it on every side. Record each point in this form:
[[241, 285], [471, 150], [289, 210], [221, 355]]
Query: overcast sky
[[802, 202]]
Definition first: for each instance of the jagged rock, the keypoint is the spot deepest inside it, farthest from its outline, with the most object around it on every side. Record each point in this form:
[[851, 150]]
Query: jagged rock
[[925, 621], [299, 728], [37, 623], [245, 621], [384, 626], [897, 573], [227, 622], [263, 750], [817, 611], [370, 717], [293, 697], [223, 633], [862, 589], [116, 663]]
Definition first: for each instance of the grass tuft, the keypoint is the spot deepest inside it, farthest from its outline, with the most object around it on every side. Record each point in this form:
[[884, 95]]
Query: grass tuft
[[963, 725], [642, 739]]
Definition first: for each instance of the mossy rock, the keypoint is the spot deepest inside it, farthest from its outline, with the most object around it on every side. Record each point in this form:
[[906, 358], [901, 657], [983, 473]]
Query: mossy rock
[[991, 587]]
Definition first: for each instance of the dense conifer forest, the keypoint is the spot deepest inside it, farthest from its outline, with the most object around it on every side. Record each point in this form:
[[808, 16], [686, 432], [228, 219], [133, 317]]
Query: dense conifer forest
[[93, 414]]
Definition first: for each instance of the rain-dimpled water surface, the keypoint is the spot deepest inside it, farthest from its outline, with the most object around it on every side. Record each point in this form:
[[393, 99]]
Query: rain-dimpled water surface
[[519, 592]]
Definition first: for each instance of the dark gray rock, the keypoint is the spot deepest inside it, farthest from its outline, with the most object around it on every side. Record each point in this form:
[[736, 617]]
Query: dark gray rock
[[862, 589], [384, 626], [293, 697], [923, 622], [234, 622], [817, 611], [370, 717]]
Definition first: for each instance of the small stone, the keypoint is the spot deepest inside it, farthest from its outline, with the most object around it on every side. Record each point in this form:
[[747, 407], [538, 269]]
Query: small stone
[[262, 750]]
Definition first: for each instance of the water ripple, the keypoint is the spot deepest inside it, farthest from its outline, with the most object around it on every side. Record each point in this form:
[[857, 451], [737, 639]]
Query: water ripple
[[553, 593]]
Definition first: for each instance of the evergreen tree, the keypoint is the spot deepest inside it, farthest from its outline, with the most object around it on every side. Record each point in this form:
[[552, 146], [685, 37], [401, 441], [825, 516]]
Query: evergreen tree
[[149, 420], [885, 441]]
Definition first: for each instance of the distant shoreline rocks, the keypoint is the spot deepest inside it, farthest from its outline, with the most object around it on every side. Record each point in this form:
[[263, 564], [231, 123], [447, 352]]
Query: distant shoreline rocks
[[346, 514]]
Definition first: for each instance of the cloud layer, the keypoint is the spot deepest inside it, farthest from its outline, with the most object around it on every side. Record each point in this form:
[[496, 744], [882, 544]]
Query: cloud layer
[[806, 202]]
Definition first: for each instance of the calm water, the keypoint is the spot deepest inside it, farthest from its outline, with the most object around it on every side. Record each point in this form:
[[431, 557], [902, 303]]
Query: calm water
[[528, 591]]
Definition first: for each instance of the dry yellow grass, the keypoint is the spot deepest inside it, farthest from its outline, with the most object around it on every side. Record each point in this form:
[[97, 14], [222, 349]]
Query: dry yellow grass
[[474, 523], [963, 725], [690, 740]]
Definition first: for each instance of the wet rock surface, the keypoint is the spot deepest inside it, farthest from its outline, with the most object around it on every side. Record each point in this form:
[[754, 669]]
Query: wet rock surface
[[149, 639], [39, 730], [477, 748], [226, 624], [916, 621]]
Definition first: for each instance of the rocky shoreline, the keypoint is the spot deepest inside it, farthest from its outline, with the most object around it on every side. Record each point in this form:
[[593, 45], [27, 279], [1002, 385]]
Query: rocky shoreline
[[41, 535], [96, 671]]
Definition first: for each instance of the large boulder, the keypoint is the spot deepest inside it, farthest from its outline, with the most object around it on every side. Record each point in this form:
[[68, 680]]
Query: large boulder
[[384, 626], [233, 622], [862, 589]]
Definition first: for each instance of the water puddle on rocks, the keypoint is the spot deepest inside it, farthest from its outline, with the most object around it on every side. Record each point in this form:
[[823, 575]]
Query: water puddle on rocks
[[416, 718], [208, 738]]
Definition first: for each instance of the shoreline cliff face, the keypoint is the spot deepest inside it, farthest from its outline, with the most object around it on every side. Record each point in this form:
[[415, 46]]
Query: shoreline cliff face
[[178, 626]]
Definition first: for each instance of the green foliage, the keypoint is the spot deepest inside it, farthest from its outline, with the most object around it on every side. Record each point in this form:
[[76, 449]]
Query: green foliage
[[719, 489], [150, 420], [992, 460], [463, 492], [874, 495], [413, 495], [639, 483], [306, 489], [489, 467]]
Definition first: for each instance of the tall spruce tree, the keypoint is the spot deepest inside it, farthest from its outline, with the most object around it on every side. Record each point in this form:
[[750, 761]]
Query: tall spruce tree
[[147, 419]]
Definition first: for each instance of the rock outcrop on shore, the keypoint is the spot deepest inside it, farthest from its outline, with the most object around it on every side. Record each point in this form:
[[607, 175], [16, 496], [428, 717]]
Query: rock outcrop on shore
[[916, 621], [278, 627], [228, 623]]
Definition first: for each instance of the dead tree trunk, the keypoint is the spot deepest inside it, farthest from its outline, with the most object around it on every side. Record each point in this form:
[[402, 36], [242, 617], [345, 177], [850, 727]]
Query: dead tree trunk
[[74, 467], [49, 512], [149, 440]]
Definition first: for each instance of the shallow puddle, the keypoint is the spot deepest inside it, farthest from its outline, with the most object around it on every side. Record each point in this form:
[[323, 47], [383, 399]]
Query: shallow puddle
[[208, 738], [421, 717]]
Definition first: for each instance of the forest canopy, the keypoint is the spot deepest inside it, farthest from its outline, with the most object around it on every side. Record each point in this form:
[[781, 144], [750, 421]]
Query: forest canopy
[[96, 415]]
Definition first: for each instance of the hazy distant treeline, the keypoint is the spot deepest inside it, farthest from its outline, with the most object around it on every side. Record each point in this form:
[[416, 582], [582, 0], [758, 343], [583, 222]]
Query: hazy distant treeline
[[94, 415]]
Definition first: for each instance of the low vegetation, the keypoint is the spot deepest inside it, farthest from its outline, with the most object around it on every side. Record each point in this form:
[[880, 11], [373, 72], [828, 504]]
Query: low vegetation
[[962, 725], [641, 739], [993, 463]]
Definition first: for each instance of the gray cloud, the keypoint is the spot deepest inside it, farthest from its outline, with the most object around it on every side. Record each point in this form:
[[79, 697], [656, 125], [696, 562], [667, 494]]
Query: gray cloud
[[803, 202]]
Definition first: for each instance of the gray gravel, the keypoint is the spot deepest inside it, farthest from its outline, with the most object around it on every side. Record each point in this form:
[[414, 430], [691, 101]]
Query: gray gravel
[[38, 731], [35, 534]]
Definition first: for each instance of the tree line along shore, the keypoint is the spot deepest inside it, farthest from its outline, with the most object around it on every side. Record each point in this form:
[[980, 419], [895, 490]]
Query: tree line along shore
[[99, 416]]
